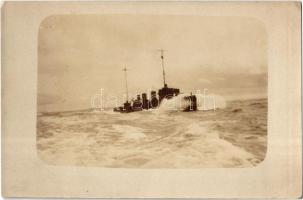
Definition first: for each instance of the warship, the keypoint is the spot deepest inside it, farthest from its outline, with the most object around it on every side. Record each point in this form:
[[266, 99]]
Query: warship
[[143, 103]]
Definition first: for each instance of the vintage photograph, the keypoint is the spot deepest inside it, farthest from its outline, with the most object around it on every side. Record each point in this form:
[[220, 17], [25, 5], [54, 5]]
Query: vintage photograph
[[152, 91]]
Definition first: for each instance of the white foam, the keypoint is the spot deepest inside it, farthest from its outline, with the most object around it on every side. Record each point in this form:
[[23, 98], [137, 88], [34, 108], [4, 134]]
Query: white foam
[[204, 102], [206, 149], [130, 132], [210, 102]]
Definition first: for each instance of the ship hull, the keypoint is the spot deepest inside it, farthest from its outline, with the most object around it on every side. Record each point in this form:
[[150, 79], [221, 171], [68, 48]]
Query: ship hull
[[191, 99]]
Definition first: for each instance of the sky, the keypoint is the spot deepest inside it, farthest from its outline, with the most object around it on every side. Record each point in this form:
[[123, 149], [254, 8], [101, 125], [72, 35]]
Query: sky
[[78, 55]]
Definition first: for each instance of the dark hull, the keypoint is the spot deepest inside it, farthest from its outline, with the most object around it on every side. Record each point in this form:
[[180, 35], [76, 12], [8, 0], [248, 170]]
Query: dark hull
[[127, 108]]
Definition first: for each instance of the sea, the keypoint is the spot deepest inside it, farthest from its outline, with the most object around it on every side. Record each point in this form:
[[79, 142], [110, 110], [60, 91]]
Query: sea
[[228, 137]]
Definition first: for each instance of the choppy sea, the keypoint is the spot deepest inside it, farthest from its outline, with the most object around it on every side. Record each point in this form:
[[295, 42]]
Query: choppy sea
[[234, 136]]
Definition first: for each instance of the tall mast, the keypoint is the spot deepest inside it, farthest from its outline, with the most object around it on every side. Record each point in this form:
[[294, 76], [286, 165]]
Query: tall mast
[[125, 74], [162, 60]]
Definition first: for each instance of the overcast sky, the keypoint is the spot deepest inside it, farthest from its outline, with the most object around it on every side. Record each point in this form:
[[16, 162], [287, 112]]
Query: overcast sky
[[80, 54]]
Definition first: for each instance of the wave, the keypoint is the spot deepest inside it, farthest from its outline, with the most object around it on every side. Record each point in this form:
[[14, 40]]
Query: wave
[[228, 137], [201, 147], [179, 103], [129, 132]]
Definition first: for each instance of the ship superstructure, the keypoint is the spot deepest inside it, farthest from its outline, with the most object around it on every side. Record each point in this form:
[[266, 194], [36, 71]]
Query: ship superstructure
[[143, 103]]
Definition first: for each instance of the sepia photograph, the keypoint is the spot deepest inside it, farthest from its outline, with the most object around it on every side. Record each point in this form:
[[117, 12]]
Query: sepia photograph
[[152, 91], [141, 99]]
